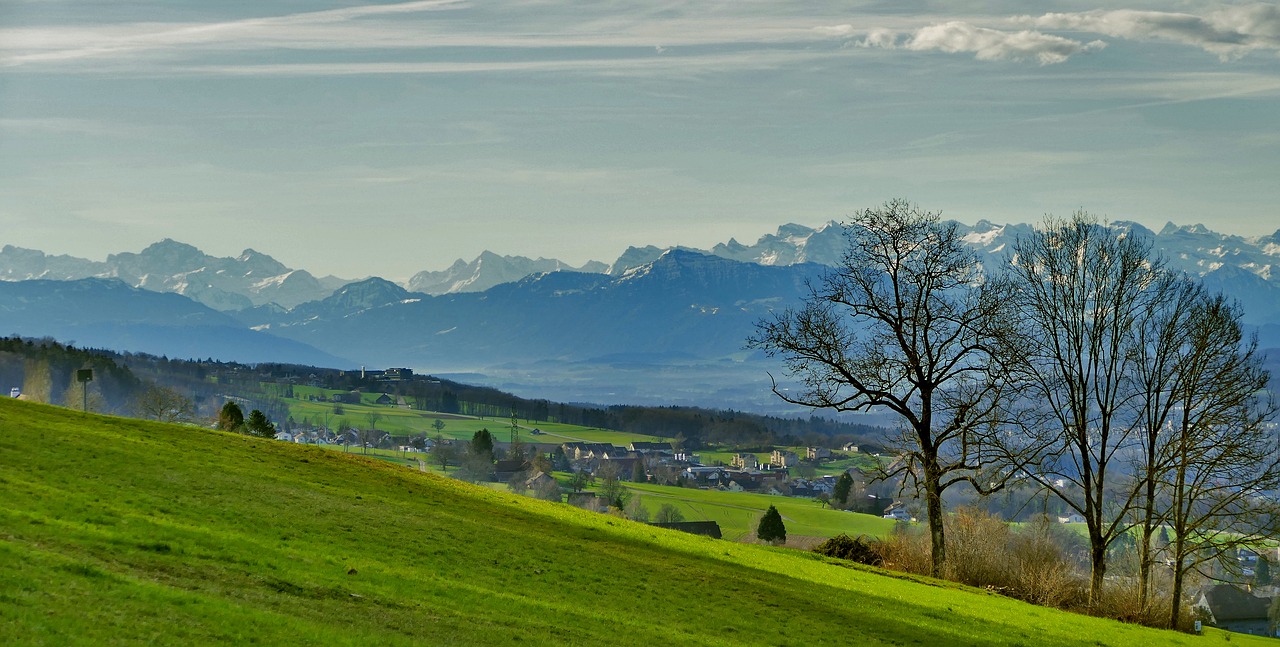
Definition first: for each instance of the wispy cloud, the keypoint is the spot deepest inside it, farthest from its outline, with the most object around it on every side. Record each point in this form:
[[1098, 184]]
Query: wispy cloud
[[403, 31], [313, 29], [1229, 32]]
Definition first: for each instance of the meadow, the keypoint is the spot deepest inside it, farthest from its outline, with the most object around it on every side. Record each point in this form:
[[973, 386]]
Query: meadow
[[119, 531], [404, 422], [738, 513]]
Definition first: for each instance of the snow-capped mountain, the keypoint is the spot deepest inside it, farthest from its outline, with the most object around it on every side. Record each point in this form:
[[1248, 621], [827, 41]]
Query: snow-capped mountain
[[248, 280], [1246, 268], [488, 270]]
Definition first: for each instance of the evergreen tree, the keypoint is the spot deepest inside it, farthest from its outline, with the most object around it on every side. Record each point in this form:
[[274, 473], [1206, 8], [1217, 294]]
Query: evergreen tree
[[638, 474], [231, 417], [482, 444], [840, 495], [1262, 572], [771, 528], [258, 425]]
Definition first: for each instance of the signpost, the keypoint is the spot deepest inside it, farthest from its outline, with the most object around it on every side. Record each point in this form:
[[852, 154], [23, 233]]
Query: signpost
[[84, 376]]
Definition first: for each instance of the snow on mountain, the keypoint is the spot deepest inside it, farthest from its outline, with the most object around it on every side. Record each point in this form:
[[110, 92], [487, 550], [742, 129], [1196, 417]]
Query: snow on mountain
[[251, 279], [488, 270]]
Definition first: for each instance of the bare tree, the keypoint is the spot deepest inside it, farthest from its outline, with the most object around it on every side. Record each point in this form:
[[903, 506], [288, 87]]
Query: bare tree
[[37, 380], [444, 452], [1160, 334], [908, 323], [1082, 288], [1223, 467], [165, 404]]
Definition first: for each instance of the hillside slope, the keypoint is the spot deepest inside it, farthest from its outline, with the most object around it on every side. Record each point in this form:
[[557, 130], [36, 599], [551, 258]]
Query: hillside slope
[[121, 531]]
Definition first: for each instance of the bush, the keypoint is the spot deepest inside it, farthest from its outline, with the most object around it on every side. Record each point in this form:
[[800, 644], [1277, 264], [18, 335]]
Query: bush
[[1044, 570], [858, 550], [978, 550], [906, 549]]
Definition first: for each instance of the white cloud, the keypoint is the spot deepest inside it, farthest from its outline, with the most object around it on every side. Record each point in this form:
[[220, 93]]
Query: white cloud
[[883, 38], [985, 44], [1229, 32]]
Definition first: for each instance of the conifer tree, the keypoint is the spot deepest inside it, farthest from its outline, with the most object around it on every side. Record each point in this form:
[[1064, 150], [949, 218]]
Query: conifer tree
[[258, 425], [841, 493], [771, 528]]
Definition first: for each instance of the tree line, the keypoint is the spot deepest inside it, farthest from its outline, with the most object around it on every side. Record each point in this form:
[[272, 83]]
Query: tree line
[[1082, 365]]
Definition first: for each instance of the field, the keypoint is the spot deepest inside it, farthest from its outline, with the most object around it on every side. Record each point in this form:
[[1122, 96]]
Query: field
[[863, 461], [117, 531], [400, 421], [738, 513]]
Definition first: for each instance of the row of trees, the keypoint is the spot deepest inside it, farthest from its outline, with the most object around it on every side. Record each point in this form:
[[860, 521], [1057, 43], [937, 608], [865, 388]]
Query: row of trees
[[1082, 365]]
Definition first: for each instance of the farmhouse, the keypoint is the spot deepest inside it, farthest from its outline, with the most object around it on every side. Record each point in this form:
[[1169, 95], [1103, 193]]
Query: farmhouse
[[1233, 609], [897, 512]]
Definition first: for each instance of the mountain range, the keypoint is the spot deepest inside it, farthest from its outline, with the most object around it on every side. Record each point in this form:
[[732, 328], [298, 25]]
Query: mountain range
[[658, 325]]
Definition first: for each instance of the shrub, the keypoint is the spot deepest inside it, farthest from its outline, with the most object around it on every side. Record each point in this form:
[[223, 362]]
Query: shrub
[[906, 549], [978, 549], [1044, 571], [858, 550]]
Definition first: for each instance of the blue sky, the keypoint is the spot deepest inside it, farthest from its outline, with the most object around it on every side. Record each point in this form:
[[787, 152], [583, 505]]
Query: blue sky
[[390, 138]]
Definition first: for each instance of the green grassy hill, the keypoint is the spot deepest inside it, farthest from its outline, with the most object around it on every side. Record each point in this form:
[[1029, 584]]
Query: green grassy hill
[[121, 531]]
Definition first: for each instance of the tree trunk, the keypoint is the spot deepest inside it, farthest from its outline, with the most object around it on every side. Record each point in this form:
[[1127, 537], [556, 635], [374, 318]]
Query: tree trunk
[[1145, 557], [1175, 596], [1144, 568], [1098, 555], [933, 501]]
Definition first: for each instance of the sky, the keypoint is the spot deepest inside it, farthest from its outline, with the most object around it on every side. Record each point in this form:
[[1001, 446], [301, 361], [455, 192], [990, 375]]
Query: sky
[[384, 139]]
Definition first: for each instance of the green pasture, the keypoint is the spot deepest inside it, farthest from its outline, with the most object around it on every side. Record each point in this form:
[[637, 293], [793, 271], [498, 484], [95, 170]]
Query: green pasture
[[120, 532], [400, 421], [738, 513]]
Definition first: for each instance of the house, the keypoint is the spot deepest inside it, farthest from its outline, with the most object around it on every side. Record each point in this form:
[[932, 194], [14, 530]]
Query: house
[[624, 467], [1233, 609], [745, 461], [538, 480], [852, 448], [384, 399], [784, 458], [819, 453], [350, 397], [713, 476], [897, 512], [397, 374], [578, 451], [588, 501], [505, 469], [650, 448], [1074, 517]]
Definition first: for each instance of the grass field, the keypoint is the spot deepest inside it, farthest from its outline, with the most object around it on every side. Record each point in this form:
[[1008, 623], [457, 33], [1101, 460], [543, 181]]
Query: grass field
[[117, 531], [399, 421], [738, 513]]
